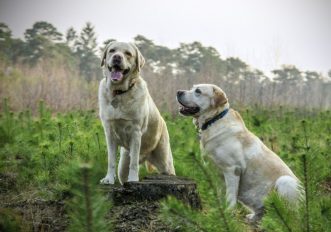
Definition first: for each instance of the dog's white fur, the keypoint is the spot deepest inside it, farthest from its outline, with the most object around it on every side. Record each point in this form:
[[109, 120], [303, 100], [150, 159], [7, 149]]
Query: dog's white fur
[[250, 169], [131, 120]]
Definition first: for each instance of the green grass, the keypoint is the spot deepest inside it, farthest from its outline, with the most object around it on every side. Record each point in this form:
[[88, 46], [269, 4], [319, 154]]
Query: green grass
[[40, 150]]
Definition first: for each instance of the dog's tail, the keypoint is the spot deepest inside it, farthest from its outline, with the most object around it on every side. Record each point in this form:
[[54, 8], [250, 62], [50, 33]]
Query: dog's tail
[[289, 188]]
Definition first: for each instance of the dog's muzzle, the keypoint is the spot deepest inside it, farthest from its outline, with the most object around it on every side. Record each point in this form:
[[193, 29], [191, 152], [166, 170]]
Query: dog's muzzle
[[183, 108], [117, 72]]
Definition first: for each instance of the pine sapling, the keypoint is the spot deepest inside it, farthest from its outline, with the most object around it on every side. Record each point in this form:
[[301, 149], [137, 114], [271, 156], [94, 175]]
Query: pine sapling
[[281, 217], [88, 208], [215, 192]]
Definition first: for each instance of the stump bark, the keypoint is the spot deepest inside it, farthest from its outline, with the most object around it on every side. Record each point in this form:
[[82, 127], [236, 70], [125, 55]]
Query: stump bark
[[155, 188], [136, 204]]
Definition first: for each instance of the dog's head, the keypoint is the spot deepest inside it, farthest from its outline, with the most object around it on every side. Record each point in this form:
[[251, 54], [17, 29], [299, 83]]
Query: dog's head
[[200, 99], [121, 60]]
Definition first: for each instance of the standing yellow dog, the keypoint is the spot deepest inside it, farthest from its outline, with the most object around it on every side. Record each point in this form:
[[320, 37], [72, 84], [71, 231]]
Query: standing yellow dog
[[129, 116]]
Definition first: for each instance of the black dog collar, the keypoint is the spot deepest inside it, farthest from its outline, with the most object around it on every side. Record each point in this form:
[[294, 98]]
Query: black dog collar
[[119, 92], [214, 119]]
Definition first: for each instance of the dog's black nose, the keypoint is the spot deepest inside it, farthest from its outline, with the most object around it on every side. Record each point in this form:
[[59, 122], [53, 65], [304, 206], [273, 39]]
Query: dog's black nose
[[117, 59], [180, 93]]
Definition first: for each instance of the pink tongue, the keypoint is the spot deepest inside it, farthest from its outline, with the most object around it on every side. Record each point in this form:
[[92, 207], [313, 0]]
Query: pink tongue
[[117, 75]]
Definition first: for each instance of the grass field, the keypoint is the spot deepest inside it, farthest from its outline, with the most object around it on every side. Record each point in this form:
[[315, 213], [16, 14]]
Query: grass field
[[40, 155]]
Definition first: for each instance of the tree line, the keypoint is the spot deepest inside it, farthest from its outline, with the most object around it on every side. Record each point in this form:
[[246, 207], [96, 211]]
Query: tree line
[[70, 64]]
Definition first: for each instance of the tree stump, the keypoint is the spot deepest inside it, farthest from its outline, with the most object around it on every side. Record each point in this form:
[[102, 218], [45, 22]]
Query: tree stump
[[136, 204], [154, 188]]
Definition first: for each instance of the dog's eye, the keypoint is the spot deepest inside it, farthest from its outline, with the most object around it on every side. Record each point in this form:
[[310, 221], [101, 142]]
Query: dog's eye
[[198, 91], [128, 54], [111, 50]]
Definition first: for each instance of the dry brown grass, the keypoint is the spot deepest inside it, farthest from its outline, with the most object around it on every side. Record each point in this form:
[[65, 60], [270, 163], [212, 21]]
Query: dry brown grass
[[61, 88]]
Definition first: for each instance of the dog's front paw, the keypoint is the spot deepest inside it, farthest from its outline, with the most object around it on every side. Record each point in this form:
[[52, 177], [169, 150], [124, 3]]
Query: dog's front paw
[[109, 179], [133, 176], [252, 218]]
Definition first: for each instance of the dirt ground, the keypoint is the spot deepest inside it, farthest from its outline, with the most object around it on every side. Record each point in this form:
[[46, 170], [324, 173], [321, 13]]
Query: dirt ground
[[24, 212], [140, 216]]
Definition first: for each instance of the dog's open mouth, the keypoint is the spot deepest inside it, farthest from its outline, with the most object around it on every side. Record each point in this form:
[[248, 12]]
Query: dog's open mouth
[[117, 73], [188, 110]]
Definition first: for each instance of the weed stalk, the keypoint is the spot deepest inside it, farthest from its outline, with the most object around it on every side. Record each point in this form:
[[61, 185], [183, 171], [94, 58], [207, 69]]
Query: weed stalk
[[305, 173]]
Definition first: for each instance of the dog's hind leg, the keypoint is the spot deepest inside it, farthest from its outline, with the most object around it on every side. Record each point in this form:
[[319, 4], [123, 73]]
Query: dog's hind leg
[[123, 166], [253, 198], [161, 157]]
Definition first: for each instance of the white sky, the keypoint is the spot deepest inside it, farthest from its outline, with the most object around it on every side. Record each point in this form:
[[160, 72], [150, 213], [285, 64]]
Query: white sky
[[263, 33]]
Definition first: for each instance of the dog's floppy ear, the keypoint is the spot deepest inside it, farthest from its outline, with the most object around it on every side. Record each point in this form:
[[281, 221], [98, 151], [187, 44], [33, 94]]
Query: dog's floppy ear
[[103, 60], [140, 60], [219, 98]]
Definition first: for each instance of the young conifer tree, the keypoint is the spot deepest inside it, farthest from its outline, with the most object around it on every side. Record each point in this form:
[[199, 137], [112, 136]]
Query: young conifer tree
[[313, 212], [88, 207]]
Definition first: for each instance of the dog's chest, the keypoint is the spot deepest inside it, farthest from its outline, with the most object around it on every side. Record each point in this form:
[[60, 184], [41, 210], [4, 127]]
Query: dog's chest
[[223, 149], [120, 107], [116, 111]]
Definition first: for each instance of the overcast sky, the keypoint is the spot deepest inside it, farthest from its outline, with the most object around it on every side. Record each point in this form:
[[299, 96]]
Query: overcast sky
[[263, 33]]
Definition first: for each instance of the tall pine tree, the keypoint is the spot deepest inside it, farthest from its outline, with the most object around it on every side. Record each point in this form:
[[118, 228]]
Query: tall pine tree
[[86, 48]]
